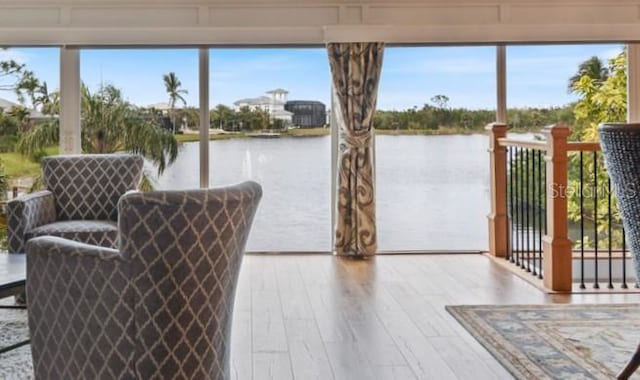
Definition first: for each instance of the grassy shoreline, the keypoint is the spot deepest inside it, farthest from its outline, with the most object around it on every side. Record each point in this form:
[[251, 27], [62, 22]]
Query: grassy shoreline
[[18, 166]]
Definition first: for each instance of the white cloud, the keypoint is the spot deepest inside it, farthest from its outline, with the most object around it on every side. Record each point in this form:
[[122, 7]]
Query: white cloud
[[611, 53], [9, 54]]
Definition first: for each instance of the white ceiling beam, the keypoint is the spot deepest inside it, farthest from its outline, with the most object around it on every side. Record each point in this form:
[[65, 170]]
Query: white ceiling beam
[[284, 22]]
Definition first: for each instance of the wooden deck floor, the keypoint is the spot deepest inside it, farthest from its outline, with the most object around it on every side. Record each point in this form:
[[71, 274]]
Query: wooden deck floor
[[321, 317]]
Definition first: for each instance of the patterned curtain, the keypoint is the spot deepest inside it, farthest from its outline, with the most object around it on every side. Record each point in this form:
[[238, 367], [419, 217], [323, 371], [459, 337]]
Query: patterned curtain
[[355, 68]]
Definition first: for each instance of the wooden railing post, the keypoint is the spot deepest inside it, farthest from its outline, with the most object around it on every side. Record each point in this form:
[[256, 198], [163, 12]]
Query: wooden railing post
[[498, 218], [556, 245]]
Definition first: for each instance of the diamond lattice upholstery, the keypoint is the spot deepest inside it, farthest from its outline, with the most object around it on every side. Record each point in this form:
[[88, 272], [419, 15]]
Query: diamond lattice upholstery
[[25, 213], [160, 306], [79, 188], [103, 233], [88, 186]]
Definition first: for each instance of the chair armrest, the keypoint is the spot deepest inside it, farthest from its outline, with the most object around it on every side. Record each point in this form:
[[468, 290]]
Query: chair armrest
[[78, 295], [69, 250], [27, 212], [56, 264]]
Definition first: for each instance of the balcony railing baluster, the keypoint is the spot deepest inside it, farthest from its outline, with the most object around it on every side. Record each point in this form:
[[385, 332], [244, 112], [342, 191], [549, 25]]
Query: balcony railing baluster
[[527, 208], [582, 242], [624, 262], [522, 214], [610, 261], [532, 207], [596, 285], [542, 207], [511, 208]]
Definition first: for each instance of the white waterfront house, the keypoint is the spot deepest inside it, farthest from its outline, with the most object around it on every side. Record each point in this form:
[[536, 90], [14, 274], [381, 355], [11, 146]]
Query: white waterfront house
[[272, 103], [7, 106]]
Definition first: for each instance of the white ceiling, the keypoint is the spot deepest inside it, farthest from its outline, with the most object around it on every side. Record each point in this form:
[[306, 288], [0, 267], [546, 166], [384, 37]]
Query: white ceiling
[[312, 22]]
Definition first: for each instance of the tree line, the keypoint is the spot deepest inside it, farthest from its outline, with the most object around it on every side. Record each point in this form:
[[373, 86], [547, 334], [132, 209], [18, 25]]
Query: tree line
[[435, 117]]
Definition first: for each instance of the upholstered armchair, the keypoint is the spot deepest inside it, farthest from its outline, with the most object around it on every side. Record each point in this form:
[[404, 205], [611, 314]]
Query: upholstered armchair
[[158, 307], [79, 202]]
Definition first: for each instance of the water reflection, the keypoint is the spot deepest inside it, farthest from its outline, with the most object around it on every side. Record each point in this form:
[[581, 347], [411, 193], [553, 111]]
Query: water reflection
[[432, 191]]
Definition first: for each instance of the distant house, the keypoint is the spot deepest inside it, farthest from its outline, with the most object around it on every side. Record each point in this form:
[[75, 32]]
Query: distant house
[[272, 104], [164, 108], [307, 113], [162, 116], [34, 115], [6, 105]]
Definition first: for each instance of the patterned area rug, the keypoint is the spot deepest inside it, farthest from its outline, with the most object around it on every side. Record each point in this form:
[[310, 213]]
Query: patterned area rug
[[15, 364], [556, 341]]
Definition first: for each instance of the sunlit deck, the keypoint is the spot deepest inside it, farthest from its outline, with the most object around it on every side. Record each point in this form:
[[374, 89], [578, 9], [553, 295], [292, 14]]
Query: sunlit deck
[[318, 316]]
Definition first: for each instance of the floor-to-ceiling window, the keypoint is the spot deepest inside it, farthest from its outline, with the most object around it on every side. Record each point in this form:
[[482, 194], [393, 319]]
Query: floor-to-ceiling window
[[579, 86], [29, 97], [431, 152], [128, 87], [268, 112]]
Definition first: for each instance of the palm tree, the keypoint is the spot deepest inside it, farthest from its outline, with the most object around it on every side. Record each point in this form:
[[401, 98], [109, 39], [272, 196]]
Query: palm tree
[[594, 68], [21, 116], [28, 85], [109, 124], [172, 85], [222, 117], [49, 101]]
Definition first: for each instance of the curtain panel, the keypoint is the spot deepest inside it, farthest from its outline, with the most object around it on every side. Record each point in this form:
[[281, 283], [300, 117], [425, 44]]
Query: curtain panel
[[355, 69]]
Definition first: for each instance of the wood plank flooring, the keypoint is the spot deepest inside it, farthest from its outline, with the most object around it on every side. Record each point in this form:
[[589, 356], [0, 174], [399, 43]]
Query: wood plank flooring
[[322, 317]]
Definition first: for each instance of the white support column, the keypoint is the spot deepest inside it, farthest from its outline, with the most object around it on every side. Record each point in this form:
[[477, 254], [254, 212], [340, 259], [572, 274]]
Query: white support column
[[633, 83], [501, 84], [204, 117], [333, 125], [70, 142]]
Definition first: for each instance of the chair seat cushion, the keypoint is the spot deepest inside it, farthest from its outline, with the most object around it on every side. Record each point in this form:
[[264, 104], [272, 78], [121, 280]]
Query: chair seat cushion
[[103, 233]]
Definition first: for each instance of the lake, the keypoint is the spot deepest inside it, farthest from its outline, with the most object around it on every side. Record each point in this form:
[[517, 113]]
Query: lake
[[432, 191]]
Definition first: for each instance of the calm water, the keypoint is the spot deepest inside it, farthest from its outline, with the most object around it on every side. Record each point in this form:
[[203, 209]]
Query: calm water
[[432, 191]]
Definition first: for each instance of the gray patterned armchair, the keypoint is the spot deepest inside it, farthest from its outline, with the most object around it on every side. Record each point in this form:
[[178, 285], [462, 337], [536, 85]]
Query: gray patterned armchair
[[79, 202], [159, 307]]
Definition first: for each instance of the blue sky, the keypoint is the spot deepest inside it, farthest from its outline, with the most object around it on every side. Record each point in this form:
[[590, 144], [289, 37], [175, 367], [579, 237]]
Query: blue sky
[[537, 75]]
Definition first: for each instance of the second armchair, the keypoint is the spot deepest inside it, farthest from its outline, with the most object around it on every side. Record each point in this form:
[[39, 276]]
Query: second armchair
[[80, 200]]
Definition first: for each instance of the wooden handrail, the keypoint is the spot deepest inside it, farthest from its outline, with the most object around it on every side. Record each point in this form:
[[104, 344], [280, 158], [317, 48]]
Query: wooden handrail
[[583, 146], [521, 143], [578, 146]]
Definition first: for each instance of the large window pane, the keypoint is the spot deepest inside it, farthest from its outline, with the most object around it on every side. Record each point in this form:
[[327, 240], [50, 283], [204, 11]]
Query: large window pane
[[29, 87], [255, 138], [157, 88], [431, 153]]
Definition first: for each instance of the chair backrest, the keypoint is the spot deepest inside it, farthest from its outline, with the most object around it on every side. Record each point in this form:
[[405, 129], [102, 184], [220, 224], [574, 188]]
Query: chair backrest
[[185, 248], [88, 186], [620, 145]]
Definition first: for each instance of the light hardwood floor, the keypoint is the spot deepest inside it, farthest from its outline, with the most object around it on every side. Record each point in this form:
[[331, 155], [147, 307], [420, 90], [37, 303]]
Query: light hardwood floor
[[322, 317]]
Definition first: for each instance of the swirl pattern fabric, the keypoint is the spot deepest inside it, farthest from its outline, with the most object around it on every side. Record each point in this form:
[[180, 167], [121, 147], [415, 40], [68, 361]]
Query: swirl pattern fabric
[[355, 68], [159, 307]]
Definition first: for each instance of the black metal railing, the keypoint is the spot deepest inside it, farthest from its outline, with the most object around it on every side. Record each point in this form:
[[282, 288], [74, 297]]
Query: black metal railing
[[595, 226], [599, 253], [526, 207]]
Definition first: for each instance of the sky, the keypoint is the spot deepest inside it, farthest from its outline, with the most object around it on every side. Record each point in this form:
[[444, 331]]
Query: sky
[[536, 75]]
